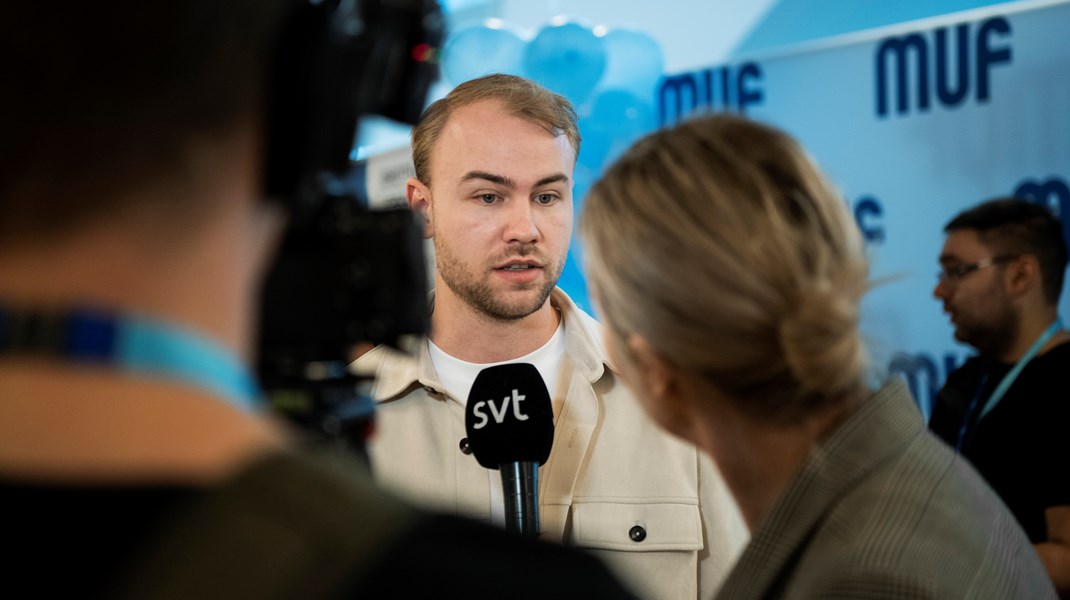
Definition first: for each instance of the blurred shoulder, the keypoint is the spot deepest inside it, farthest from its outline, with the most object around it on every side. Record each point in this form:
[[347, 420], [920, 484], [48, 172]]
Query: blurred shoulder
[[448, 556]]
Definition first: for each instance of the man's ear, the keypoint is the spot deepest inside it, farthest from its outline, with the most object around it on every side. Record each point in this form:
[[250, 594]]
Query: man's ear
[[419, 196], [1023, 275]]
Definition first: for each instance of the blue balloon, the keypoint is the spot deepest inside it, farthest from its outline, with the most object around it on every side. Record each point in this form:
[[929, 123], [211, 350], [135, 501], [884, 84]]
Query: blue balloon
[[566, 57], [583, 178], [635, 62], [492, 47], [595, 147], [613, 122], [572, 279]]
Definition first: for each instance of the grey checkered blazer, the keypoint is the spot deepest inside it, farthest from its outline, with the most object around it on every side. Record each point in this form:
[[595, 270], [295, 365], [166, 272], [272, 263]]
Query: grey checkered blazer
[[885, 510]]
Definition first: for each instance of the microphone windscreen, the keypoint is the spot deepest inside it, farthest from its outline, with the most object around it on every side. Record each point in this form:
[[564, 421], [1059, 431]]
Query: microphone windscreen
[[509, 417]]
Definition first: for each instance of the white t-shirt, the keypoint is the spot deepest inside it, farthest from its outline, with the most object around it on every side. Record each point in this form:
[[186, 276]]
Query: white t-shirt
[[458, 375]]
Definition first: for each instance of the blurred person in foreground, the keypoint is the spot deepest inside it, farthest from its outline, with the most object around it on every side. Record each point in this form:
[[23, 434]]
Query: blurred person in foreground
[[494, 166], [729, 275], [1007, 409], [134, 459]]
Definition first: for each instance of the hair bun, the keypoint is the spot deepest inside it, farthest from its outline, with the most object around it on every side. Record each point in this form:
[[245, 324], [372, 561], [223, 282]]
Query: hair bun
[[820, 339]]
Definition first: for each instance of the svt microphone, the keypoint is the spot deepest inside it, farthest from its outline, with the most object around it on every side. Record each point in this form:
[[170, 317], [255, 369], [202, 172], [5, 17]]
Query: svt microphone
[[510, 427]]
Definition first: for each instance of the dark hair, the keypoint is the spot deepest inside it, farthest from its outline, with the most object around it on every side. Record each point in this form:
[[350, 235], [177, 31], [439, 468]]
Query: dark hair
[[99, 98], [1015, 226]]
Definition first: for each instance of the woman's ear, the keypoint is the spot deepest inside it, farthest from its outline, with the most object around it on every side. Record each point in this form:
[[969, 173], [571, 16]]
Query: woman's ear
[[654, 370], [660, 381]]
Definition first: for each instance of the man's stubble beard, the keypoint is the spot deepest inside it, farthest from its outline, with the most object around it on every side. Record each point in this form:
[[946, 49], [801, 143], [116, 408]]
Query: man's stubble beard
[[472, 289], [996, 336]]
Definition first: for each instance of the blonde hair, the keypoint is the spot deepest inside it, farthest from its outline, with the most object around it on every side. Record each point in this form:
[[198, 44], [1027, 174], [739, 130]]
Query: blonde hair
[[721, 244], [522, 98]]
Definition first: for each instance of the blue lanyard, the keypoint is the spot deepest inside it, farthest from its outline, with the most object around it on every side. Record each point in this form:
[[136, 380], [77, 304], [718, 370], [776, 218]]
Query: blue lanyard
[[1004, 383], [967, 417], [136, 344], [1009, 378]]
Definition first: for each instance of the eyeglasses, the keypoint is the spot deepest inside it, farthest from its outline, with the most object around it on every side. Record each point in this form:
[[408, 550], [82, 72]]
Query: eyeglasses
[[955, 273]]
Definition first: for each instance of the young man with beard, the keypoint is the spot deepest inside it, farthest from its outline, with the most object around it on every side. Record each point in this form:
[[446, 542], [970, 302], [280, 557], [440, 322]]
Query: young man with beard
[[494, 166], [1007, 410]]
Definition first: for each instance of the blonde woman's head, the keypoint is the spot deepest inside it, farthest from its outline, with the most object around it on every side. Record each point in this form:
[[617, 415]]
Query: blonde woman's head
[[721, 245]]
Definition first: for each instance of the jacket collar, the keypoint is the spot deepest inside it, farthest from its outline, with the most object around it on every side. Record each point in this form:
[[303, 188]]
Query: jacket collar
[[881, 427], [396, 372]]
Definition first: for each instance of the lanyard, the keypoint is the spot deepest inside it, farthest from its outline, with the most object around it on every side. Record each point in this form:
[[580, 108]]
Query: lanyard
[[971, 408], [1009, 378], [135, 344], [1004, 383]]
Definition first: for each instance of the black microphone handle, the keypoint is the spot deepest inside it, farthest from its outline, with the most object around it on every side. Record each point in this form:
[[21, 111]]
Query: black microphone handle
[[520, 486]]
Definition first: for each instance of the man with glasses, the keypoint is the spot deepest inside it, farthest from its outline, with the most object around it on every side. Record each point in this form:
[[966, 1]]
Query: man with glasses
[[1007, 409]]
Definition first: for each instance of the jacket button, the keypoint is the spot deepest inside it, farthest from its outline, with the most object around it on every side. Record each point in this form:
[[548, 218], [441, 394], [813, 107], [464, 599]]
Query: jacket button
[[465, 448], [637, 533]]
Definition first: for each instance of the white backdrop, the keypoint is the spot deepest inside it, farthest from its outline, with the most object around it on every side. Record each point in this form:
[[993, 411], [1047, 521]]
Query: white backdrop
[[915, 123]]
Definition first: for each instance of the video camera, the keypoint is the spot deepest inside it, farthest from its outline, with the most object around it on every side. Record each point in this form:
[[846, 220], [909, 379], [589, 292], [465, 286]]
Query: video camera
[[345, 274]]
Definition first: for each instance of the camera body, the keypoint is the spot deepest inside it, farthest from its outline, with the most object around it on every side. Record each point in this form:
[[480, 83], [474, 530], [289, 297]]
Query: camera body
[[345, 275]]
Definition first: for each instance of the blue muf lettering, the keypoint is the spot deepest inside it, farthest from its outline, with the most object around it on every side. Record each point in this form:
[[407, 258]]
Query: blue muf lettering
[[1053, 193], [913, 53], [721, 87], [869, 214], [924, 374]]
